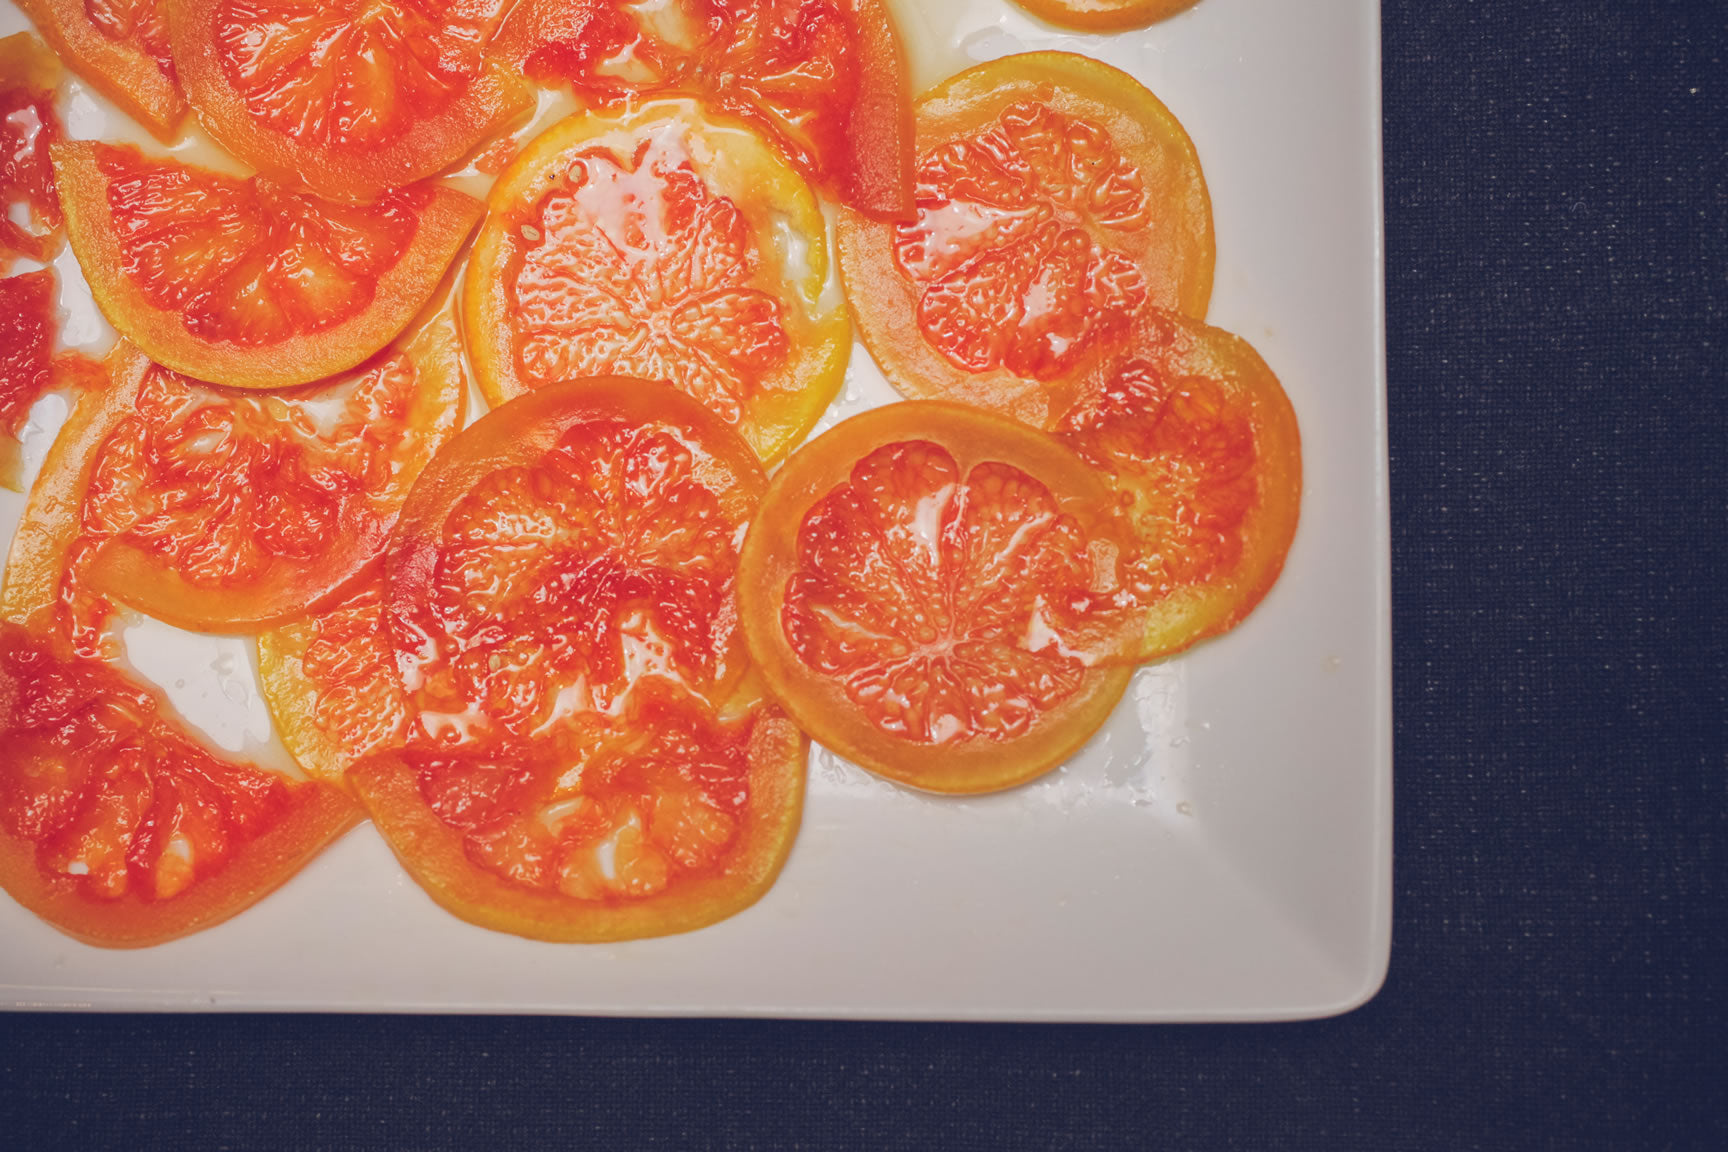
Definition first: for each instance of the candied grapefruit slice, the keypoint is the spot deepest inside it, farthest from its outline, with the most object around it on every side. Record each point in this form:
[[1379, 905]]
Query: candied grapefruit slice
[[586, 757], [1056, 197], [116, 827], [246, 284], [660, 244], [350, 98], [668, 818], [219, 510], [934, 592], [1200, 439], [120, 47]]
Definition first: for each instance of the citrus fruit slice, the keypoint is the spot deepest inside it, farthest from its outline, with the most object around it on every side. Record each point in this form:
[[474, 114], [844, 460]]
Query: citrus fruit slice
[[564, 545], [29, 209], [243, 283], [219, 510], [1199, 438], [121, 48], [331, 683], [823, 79], [657, 243], [586, 756], [116, 827], [933, 591], [1105, 15], [1056, 197], [349, 98]]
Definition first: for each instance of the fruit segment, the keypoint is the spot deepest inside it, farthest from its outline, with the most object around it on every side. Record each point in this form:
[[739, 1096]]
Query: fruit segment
[[29, 208], [220, 510], [119, 829], [1201, 444], [120, 47]]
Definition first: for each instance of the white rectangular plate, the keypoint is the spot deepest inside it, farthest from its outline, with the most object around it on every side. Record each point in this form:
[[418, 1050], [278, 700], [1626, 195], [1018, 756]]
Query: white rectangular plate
[[1222, 849]]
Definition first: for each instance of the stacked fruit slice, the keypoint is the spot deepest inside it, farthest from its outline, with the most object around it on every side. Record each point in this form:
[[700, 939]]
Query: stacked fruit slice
[[955, 600], [565, 658]]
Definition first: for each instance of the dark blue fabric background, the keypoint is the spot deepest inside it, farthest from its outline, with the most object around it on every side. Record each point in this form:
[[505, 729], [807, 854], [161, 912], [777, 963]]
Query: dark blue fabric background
[[1557, 220]]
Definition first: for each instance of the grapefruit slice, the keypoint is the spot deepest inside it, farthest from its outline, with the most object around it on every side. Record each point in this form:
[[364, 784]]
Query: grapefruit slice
[[1056, 198], [116, 827], [586, 757], [658, 243], [242, 282], [1201, 443], [934, 592], [220, 510]]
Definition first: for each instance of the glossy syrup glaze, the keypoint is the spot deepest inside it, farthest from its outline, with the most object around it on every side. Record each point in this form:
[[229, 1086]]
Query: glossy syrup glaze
[[247, 262], [632, 265], [1010, 251], [351, 73]]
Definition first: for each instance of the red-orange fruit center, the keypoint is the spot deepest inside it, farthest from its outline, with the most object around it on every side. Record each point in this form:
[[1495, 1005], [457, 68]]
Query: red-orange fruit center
[[351, 73], [1184, 453], [114, 797], [637, 269], [247, 261], [941, 601], [789, 66], [26, 344], [29, 205], [227, 487], [563, 582], [1006, 250]]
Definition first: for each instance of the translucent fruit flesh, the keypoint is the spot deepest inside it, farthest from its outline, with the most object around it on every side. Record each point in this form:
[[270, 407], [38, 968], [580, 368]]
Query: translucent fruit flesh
[[583, 757], [1008, 271]]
